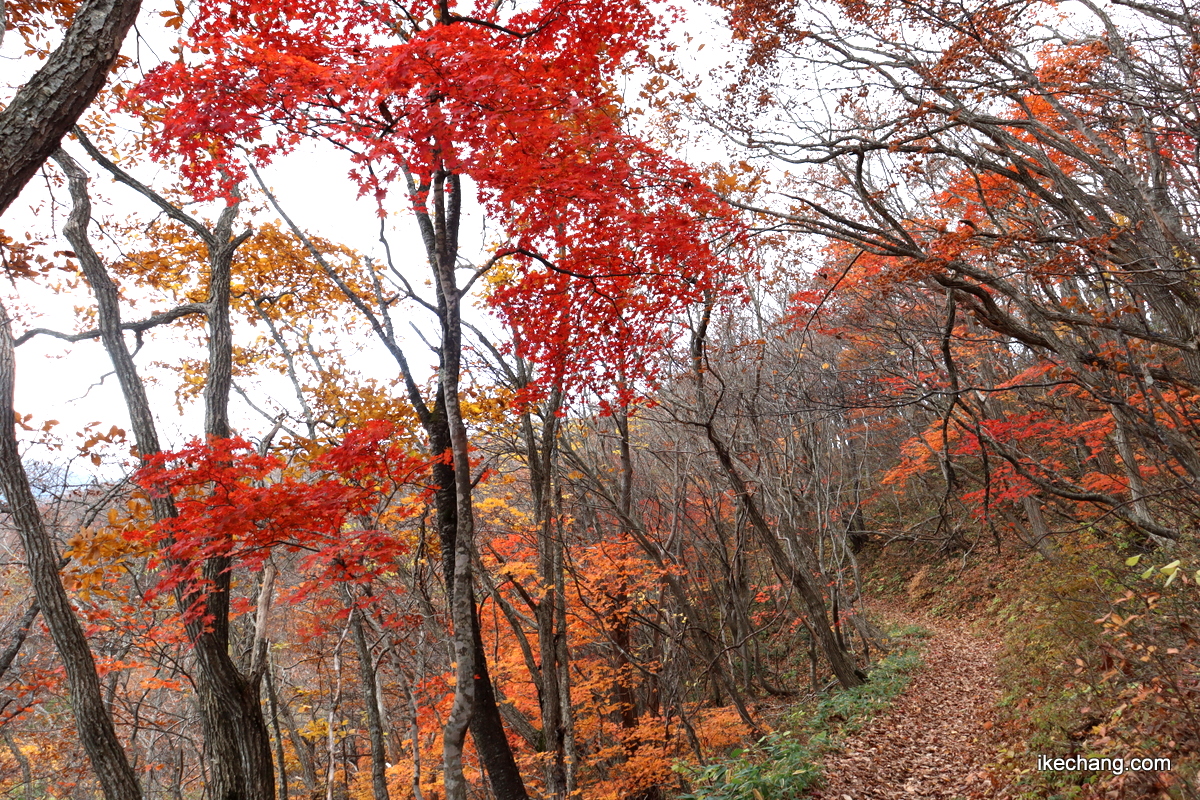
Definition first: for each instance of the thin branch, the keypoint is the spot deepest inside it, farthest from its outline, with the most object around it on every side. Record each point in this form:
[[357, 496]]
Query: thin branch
[[139, 326]]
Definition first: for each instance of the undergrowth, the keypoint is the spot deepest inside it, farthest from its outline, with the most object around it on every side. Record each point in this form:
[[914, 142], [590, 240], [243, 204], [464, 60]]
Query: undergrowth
[[785, 762], [1101, 660], [1101, 656]]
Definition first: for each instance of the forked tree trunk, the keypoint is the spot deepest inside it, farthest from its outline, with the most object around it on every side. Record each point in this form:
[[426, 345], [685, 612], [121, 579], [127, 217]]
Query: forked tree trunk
[[237, 744], [474, 705], [235, 730], [462, 606], [437, 206]]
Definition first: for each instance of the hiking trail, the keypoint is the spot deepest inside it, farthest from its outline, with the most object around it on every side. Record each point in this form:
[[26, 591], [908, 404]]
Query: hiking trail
[[934, 741]]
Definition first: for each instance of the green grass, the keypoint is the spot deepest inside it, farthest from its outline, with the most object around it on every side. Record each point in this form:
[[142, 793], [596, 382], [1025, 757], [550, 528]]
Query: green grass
[[785, 763]]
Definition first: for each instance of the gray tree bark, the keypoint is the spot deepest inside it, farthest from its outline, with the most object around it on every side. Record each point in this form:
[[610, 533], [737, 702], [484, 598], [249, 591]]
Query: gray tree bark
[[46, 107], [92, 720], [439, 223], [14, 647], [238, 746], [366, 674], [842, 662]]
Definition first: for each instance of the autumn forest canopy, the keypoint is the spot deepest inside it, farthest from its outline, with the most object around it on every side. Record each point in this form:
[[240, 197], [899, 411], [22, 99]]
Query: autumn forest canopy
[[692, 353]]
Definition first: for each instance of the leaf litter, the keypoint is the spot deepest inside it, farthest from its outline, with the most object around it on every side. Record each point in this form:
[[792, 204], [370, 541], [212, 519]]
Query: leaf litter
[[935, 741]]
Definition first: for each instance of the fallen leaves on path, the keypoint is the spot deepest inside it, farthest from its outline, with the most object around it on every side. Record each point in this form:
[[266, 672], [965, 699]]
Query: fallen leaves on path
[[933, 742]]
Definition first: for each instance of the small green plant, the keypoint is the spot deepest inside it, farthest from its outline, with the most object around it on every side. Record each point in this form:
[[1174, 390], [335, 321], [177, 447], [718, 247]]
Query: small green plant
[[784, 763]]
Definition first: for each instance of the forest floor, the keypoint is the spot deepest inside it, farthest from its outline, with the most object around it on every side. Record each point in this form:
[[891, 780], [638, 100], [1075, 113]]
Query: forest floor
[[936, 739]]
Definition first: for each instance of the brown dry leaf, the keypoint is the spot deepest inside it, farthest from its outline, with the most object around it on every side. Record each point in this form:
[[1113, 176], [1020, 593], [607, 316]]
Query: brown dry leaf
[[930, 743]]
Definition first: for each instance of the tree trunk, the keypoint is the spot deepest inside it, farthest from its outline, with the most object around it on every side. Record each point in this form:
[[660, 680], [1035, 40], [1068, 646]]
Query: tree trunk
[[487, 726], [366, 673], [553, 694], [273, 701], [474, 705], [840, 660], [238, 746], [46, 107], [22, 633], [92, 721], [462, 606], [438, 213], [542, 458], [243, 768], [305, 750]]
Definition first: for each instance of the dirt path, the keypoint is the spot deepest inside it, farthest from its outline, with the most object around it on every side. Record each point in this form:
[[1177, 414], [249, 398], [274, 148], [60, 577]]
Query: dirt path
[[932, 743]]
